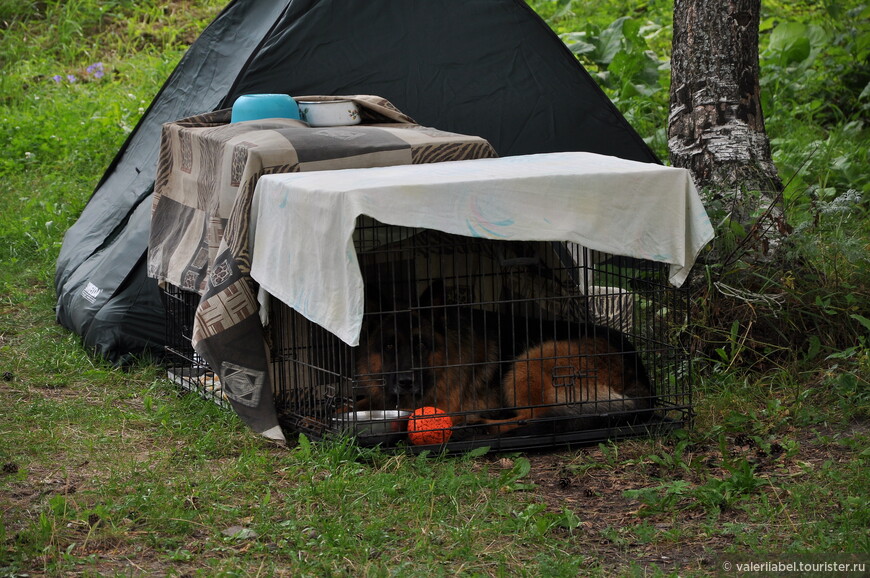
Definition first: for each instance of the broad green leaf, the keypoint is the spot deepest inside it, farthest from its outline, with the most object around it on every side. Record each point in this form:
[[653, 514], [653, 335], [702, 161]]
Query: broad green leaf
[[791, 42], [610, 42], [794, 43], [577, 43], [862, 320]]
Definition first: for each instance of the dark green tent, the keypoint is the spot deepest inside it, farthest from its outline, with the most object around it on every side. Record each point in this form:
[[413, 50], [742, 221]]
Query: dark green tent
[[491, 68]]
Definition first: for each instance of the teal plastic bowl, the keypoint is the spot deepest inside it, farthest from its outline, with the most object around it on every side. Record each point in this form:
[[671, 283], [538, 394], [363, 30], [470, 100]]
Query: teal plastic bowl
[[258, 106]]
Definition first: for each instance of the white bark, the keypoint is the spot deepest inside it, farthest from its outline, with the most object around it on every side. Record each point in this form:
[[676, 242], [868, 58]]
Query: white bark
[[716, 126]]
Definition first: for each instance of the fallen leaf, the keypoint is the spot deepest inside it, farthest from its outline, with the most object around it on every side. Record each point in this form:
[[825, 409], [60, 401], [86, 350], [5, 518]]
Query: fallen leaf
[[239, 533]]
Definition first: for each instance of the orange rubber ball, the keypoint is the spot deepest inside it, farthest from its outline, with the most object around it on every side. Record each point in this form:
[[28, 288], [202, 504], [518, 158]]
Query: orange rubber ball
[[429, 425]]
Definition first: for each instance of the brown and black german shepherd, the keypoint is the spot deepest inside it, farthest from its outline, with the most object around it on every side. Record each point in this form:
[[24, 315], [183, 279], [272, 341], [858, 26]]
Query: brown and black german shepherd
[[566, 383], [429, 357], [414, 359]]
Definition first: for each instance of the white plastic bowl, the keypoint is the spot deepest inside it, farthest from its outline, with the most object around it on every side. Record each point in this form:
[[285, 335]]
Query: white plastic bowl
[[329, 112]]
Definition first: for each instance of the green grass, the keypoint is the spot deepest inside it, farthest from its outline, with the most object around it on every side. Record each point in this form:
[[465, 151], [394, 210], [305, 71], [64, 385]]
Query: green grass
[[110, 472]]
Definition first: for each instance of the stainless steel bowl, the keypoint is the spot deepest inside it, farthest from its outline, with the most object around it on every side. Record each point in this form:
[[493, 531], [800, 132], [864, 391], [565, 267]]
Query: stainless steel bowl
[[373, 427]]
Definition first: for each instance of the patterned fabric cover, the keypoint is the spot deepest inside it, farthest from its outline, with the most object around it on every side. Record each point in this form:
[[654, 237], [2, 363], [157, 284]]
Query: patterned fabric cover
[[206, 175]]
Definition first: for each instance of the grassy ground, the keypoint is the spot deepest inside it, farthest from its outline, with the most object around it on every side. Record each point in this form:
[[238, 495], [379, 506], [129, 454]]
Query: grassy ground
[[105, 472]]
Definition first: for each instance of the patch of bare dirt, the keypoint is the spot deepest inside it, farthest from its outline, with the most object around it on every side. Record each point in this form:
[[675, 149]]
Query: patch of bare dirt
[[591, 483]]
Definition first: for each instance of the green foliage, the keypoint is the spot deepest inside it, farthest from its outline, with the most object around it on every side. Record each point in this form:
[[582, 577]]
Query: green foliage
[[817, 69], [816, 88], [799, 307], [621, 59]]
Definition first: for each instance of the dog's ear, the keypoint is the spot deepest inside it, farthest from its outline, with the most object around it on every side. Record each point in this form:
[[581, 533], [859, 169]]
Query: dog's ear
[[434, 296], [373, 300], [432, 304]]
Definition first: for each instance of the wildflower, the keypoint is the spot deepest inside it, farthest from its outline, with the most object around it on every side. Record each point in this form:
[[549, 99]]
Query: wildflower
[[95, 70], [71, 77], [57, 78], [28, 155]]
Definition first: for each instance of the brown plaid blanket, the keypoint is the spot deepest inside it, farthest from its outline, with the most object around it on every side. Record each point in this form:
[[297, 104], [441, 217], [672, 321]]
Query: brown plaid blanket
[[206, 175]]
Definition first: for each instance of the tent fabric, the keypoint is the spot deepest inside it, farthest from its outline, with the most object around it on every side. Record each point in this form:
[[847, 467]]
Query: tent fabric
[[103, 250], [490, 68]]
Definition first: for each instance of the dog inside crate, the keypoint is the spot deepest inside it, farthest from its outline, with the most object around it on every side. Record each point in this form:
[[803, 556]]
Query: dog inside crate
[[507, 338]]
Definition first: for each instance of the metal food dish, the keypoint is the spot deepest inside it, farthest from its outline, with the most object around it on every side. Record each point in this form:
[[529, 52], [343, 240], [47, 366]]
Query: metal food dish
[[373, 427]]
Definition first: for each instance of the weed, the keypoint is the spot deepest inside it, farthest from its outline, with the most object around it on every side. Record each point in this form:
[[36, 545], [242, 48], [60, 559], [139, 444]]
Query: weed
[[674, 460], [713, 496]]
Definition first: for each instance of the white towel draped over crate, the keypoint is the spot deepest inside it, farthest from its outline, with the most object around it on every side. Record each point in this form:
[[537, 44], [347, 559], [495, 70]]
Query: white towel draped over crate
[[302, 224]]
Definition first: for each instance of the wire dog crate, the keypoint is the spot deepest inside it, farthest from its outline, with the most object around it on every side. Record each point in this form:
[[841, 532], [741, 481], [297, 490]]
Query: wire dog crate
[[521, 344], [184, 366]]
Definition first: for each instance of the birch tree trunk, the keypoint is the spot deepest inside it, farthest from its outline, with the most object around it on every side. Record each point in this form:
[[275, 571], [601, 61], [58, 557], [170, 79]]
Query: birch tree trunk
[[716, 127]]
